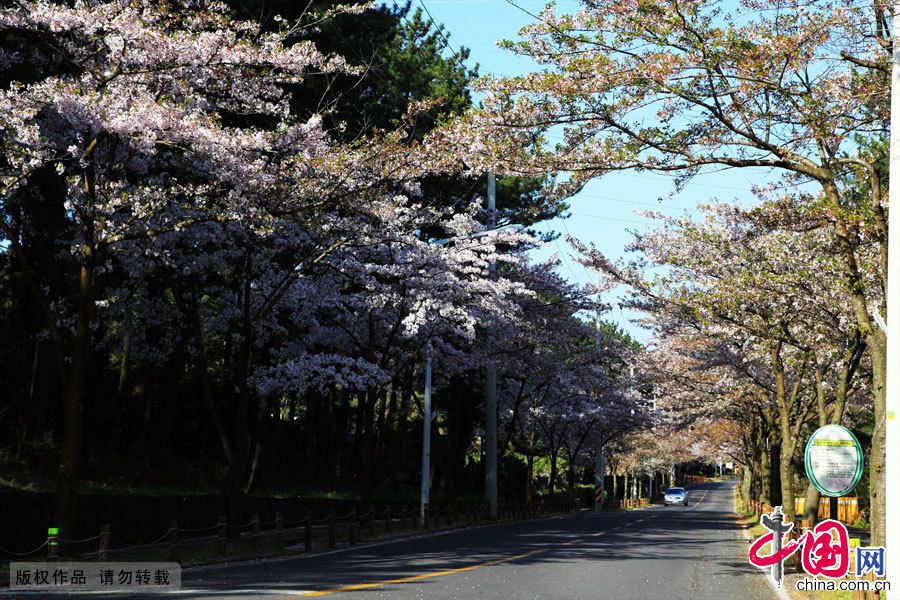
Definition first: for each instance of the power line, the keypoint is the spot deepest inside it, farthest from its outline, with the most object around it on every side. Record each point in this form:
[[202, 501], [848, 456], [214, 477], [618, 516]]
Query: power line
[[446, 39], [440, 32], [637, 202], [612, 219], [562, 255], [570, 235]]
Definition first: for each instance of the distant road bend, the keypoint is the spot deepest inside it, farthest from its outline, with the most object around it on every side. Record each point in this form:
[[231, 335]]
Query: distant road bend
[[660, 553]]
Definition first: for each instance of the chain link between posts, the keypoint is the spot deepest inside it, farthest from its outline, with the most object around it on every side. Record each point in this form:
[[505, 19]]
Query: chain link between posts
[[353, 518], [36, 550]]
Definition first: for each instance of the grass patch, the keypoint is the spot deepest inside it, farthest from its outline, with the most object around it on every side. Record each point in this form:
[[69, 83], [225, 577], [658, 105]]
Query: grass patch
[[747, 518]]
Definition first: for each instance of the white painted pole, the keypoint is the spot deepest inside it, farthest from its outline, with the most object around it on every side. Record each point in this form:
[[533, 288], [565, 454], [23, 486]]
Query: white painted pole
[[490, 393], [599, 471], [599, 467], [892, 449], [426, 444]]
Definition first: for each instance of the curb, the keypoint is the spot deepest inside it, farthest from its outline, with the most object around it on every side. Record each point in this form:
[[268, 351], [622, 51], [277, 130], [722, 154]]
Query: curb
[[780, 592]]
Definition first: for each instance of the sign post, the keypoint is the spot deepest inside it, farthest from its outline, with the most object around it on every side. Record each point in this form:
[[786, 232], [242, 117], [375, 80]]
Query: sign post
[[834, 460]]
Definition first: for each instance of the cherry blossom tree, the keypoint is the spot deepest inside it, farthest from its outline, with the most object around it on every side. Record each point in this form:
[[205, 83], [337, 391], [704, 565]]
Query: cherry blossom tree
[[687, 87], [565, 382], [154, 119], [740, 302], [230, 248]]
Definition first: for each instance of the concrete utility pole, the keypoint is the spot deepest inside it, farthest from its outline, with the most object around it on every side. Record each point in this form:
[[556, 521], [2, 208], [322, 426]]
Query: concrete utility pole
[[426, 444], [892, 391], [599, 466], [490, 400], [490, 393]]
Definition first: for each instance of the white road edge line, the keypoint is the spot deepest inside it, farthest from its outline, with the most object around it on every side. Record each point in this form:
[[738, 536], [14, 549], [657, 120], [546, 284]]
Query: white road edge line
[[779, 591]]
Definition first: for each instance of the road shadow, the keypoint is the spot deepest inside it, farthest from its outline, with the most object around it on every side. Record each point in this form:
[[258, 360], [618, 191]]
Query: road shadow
[[702, 534]]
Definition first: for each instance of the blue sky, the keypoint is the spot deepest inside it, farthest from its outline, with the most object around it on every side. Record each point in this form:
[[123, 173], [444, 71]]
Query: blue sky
[[604, 212]]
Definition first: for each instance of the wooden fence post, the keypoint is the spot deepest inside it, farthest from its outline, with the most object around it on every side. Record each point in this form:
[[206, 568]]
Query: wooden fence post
[[105, 534], [173, 541]]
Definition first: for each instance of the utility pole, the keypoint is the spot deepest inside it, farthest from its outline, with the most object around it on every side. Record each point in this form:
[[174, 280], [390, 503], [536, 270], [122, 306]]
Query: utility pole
[[426, 444], [490, 393], [892, 385], [599, 466]]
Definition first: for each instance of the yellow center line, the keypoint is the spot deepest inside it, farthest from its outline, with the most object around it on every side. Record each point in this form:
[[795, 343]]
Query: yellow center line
[[412, 578], [705, 493], [374, 584]]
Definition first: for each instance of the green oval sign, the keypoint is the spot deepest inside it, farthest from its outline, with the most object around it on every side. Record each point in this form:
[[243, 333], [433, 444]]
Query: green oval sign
[[834, 460]]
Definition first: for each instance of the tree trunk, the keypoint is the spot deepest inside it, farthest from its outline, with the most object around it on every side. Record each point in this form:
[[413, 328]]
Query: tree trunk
[[529, 474], [746, 484], [787, 480], [876, 454], [167, 396], [37, 421], [850, 363], [876, 346], [551, 488], [239, 465], [615, 484], [329, 458], [367, 445], [342, 426], [775, 474], [765, 475], [73, 401], [310, 434], [811, 504]]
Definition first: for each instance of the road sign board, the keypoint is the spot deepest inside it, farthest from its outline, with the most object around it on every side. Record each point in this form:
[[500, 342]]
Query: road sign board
[[834, 460]]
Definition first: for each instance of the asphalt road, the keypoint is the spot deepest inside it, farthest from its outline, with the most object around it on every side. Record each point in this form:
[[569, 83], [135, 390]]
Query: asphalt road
[[666, 553]]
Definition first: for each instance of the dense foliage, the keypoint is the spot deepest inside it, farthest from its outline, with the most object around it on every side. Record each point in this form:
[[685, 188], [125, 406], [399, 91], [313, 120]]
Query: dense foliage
[[220, 267]]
